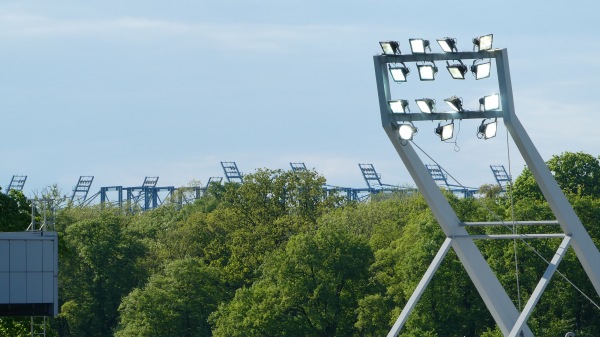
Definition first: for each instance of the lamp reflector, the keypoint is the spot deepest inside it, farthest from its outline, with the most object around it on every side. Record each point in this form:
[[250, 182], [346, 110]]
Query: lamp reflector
[[484, 42], [445, 131], [390, 47], [448, 45], [455, 103], [427, 72], [457, 71], [487, 130], [399, 73], [399, 106], [426, 105], [406, 131], [418, 46], [491, 102], [481, 70]]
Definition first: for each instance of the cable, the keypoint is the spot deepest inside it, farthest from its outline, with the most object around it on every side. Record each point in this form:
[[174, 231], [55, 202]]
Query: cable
[[512, 218]]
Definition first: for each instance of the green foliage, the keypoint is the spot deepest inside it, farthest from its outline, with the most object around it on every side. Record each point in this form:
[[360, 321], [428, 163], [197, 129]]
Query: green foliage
[[576, 173], [276, 256], [15, 212], [102, 269], [309, 289], [175, 302]]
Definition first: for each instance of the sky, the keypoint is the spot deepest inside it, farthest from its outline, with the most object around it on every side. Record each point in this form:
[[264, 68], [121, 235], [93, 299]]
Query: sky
[[121, 90]]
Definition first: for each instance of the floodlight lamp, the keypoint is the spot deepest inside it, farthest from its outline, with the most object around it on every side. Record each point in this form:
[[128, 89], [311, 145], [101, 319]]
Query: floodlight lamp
[[399, 73], [457, 71], [483, 42], [481, 70], [448, 45], [419, 46], [491, 102], [445, 131], [426, 105], [399, 106], [487, 130], [455, 103], [407, 131], [427, 71], [390, 47]]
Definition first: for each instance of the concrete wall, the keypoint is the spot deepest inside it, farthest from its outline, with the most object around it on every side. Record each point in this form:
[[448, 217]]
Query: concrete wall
[[28, 273]]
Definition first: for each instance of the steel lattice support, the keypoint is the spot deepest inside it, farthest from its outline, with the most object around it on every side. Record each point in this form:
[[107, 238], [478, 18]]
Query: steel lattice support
[[16, 183], [510, 321], [82, 188], [232, 173]]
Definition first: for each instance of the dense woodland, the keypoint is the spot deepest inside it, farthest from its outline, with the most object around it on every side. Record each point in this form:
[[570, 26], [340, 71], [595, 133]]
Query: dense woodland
[[276, 256]]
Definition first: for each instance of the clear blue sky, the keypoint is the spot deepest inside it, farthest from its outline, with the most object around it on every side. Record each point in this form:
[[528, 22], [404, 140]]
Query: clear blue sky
[[126, 89]]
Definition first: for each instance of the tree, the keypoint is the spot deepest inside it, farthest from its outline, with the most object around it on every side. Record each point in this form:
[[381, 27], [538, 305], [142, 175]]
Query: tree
[[175, 302], [101, 269], [15, 212], [576, 174], [309, 289]]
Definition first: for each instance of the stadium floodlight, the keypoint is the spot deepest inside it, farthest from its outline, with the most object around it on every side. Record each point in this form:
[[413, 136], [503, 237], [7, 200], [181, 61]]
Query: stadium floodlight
[[390, 47], [399, 73], [407, 131], [483, 42], [457, 70], [455, 103], [448, 45], [481, 70], [491, 102], [427, 71], [419, 46], [399, 106], [426, 105], [487, 130], [445, 131]]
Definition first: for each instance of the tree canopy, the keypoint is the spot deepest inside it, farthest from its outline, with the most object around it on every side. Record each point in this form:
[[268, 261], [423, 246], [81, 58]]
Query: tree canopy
[[277, 256]]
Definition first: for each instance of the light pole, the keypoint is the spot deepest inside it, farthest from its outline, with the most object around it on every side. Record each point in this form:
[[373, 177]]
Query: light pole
[[394, 117]]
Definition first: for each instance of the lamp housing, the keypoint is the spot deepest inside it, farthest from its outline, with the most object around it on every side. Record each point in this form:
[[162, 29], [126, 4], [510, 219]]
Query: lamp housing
[[481, 70], [399, 106], [455, 103], [448, 45], [487, 130], [407, 131], [399, 73], [445, 132], [419, 46], [491, 102], [457, 71], [427, 71], [390, 47], [483, 42], [426, 105]]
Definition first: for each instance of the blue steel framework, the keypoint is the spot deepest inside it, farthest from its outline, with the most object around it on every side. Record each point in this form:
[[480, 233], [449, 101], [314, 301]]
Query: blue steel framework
[[511, 322], [502, 177], [16, 183], [437, 173], [232, 173], [82, 189]]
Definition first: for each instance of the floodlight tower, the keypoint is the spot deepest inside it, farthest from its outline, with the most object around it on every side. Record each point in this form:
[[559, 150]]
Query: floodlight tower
[[82, 188], [502, 177], [370, 175], [398, 125], [232, 173], [16, 183], [298, 167]]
